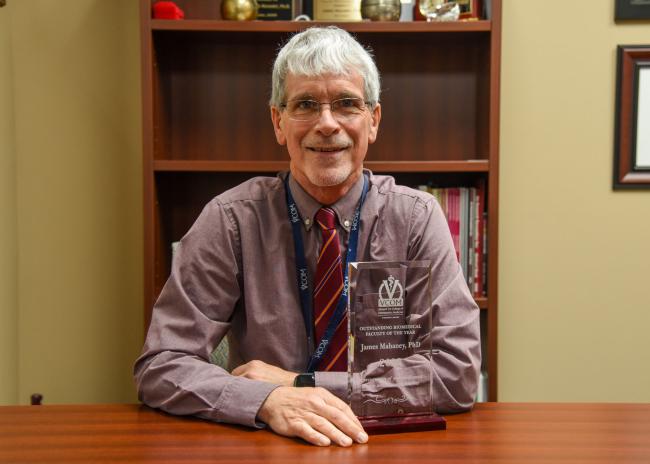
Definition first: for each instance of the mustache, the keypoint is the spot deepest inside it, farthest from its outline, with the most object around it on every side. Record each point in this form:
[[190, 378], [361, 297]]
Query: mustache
[[328, 142]]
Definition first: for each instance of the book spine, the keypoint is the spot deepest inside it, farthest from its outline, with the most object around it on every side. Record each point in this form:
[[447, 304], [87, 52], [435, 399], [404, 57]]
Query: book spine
[[464, 230], [471, 240], [453, 195], [480, 242]]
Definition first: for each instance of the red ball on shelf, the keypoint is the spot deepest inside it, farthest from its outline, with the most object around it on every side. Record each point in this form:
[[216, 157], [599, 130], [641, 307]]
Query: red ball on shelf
[[167, 10]]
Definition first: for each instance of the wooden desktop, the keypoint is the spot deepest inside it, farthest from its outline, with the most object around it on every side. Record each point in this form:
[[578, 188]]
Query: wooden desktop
[[492, 432]]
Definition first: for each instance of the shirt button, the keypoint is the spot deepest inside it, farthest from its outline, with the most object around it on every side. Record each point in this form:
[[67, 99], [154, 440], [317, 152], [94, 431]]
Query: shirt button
[[346, 223], [307, 221]]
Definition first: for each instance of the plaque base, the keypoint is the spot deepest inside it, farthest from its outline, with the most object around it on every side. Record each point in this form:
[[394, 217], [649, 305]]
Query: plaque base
[[396, 424]]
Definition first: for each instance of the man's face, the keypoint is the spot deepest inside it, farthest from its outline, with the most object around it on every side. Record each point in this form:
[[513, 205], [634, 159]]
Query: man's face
[[326, 152]]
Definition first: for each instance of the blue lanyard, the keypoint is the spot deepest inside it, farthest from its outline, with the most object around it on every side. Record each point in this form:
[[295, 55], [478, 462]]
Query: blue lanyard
[[302, 275]]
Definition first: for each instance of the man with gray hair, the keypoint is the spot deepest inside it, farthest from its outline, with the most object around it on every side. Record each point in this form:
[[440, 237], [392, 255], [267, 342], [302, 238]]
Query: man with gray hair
[[265, 264]]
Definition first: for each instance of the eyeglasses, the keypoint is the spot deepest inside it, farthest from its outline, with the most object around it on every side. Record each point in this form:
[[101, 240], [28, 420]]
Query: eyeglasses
[[343, 109]]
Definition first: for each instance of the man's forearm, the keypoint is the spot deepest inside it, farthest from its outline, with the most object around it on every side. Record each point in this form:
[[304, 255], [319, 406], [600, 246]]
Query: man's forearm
[[186, 385]]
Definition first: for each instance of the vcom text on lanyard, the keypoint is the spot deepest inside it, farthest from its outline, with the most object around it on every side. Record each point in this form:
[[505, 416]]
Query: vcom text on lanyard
[[304, 282]]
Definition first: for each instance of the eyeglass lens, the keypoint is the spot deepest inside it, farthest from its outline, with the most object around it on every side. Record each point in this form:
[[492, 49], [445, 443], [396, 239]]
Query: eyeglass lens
[[343, 108]]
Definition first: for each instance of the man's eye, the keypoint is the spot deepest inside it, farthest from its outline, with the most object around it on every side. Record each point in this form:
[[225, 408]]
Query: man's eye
[[306, 105], [351, 105], [347, 102]]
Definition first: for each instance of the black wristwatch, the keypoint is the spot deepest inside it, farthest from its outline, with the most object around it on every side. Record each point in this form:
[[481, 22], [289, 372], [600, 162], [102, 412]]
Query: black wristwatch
[[305, 380]]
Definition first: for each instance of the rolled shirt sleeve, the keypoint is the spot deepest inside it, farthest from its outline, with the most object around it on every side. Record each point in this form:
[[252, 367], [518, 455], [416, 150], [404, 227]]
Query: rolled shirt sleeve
[[189, 319]]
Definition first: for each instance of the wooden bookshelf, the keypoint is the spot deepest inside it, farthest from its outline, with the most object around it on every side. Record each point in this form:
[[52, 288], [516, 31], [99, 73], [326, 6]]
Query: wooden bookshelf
[[206, 123]]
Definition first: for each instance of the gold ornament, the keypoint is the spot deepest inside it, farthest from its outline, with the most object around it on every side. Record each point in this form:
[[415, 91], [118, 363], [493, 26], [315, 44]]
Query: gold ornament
[[239, 10], [381, 10]]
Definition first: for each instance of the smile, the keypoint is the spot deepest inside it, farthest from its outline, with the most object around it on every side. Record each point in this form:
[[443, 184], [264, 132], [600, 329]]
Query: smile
[[327, 149]]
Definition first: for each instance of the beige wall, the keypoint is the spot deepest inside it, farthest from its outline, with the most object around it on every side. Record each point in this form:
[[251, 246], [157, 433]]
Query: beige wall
[[8, 259], [574, 255], [78, 178]]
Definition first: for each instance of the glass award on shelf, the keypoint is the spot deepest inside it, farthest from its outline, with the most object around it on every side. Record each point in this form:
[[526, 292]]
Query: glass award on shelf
[[390, 377]]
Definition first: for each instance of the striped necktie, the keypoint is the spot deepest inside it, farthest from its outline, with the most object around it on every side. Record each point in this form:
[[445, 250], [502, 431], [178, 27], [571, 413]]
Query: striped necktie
[[327, 292]]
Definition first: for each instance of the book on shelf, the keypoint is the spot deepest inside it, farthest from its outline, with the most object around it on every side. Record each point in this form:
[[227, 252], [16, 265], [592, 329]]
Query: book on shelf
[[464, 208]]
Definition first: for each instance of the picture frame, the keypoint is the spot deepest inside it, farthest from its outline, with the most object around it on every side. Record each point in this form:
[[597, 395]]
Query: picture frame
[[632, 123], [631, 10]]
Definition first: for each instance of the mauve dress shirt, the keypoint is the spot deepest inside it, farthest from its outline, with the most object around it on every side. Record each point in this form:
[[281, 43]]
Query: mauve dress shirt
[[234, 273]]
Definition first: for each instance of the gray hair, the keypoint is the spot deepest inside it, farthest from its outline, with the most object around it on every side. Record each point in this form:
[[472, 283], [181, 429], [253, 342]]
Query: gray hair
[[324, 50]]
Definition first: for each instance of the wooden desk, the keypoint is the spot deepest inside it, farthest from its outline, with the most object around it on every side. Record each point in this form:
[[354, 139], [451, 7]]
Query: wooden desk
[[494, 432]]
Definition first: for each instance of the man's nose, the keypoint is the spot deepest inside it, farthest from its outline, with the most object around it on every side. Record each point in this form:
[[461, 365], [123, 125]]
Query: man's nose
[[326, 123]]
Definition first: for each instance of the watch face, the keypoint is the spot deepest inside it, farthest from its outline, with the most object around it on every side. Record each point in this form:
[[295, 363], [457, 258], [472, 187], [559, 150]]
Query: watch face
[[305, 380]]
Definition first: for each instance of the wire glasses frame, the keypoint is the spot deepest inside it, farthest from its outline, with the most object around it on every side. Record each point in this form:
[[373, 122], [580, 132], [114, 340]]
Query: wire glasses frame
[[342, 109]]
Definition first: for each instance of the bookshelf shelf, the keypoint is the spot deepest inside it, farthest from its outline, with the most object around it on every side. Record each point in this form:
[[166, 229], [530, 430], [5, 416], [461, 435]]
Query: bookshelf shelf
[[428, 166], [277, 166], [217, 25], [220, 166]]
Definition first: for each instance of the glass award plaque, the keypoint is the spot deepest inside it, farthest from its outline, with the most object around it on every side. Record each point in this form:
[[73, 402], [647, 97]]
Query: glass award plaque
[[390, 377]]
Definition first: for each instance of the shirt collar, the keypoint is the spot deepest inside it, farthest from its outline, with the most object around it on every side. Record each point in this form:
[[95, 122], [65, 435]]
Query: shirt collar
[[344, 207]]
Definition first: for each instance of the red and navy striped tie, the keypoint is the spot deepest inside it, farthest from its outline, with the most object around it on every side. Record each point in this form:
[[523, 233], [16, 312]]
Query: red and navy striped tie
[[327, 292]]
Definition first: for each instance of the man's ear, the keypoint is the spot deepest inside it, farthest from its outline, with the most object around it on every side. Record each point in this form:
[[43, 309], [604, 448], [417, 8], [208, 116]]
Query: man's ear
[[375, 117], [276, 117]]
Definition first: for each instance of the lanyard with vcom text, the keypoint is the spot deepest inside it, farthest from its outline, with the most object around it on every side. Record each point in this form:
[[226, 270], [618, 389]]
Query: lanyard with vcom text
[[302, 275]]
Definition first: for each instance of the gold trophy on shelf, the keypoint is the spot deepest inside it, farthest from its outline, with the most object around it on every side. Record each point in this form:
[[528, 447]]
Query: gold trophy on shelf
[[239, 10]]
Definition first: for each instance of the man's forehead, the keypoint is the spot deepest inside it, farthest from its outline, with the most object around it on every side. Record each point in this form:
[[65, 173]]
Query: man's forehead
[[324, 84]]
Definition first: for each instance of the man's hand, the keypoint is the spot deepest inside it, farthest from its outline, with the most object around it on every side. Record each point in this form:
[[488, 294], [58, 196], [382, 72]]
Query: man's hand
[[313, 414], [259, 370]]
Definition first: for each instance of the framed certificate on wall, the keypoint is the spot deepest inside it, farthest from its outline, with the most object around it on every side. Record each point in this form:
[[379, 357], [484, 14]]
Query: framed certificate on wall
[[632, 131], [632, 9]]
